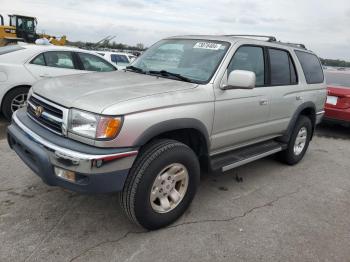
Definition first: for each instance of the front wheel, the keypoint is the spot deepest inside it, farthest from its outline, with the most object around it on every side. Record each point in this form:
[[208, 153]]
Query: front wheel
[[161, 184], [299, 142]]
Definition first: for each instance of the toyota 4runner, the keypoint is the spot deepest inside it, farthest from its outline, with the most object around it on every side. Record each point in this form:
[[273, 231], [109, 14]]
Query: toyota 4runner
[[189, 104]]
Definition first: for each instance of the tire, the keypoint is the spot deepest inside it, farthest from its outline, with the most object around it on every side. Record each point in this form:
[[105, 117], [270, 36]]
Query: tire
[[9, 97], [154, 159], [292, 156]]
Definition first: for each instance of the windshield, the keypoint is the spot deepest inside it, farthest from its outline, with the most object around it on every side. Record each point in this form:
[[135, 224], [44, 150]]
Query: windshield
[[338, 78], [196, 60]]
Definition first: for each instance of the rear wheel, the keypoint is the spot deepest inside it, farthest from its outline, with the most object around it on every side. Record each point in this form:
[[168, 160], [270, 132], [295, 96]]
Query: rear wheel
[[298, 142], [161, 184], [14, 100]]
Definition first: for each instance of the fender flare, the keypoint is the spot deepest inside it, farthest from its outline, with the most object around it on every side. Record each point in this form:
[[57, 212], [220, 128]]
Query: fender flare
[[307, 105], [172, 125]]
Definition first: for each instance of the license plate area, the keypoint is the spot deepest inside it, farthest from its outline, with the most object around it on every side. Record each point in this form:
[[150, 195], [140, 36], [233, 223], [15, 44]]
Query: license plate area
[[332, 100]]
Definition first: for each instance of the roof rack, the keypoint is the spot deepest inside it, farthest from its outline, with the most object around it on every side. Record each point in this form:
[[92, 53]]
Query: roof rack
[[293, 44], [269, 38], [272, 39]]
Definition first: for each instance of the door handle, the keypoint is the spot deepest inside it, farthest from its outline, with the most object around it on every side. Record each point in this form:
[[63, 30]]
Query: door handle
[[264, 102], [44, 75], [298, 98]]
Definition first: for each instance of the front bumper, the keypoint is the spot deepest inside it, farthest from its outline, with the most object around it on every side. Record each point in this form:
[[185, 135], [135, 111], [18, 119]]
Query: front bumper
[[101, 171]]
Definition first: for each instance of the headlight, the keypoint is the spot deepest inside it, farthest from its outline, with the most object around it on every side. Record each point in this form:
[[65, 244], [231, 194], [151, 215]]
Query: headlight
[[94, 126]]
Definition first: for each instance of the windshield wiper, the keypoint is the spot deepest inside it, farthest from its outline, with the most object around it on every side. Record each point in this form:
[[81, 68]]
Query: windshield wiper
[[166, 73], [135, 69]]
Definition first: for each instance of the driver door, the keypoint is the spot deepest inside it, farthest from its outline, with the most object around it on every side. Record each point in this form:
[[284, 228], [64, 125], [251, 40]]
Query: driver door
[[241, 115]]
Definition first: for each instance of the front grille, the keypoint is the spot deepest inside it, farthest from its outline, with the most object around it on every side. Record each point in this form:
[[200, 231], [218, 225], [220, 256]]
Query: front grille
[[51, 117]]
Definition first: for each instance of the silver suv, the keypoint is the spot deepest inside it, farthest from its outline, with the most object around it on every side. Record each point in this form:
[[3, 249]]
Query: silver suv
[[189, 104]]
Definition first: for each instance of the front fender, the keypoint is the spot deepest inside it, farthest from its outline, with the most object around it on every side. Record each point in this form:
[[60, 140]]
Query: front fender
[[172, 125]]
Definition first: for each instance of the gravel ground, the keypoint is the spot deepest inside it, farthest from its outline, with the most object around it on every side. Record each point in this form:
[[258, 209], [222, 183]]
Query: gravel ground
[[278, 213]]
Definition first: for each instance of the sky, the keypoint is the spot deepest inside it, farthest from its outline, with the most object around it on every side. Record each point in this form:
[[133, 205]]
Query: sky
[[323, 26]]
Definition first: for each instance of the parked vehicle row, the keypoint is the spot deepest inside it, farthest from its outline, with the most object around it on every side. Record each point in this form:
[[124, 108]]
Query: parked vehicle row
[[22, 65], [338, 100], [120, 60], [186, 105]]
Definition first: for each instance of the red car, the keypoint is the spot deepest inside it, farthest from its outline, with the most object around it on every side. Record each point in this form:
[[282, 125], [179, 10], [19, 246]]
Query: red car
[[338, 99]]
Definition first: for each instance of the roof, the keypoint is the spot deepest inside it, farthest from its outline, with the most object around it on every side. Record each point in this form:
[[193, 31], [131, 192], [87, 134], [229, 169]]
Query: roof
[[47, 47], [256, 39]]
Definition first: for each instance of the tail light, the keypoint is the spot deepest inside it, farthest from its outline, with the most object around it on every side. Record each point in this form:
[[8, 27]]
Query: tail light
[[343, 102]]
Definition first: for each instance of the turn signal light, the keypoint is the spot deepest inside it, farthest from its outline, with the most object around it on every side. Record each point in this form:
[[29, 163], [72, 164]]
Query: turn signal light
[[65, 174], [108, 127]]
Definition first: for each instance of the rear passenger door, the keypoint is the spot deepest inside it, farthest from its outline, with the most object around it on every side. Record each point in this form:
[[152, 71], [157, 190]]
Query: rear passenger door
[[53, 63], [284, 91]]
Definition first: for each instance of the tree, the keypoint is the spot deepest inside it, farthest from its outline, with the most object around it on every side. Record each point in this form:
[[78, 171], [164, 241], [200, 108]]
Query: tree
[[140, 46]]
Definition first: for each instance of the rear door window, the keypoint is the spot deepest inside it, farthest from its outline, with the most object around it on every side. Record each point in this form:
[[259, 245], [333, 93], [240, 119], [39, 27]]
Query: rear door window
[[311, 66], [39, 60], [95, 63], [282, 68]]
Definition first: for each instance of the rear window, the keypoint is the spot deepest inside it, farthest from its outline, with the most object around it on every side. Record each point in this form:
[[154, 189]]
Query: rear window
[[311, 66], [10, 49]]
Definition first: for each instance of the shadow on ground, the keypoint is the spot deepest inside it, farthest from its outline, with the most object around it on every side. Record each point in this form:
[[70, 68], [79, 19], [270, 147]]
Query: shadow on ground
[[3, 126], [333, 131]]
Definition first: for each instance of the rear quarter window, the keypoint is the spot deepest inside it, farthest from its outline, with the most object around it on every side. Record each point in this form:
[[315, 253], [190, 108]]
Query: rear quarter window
[[311, 66]]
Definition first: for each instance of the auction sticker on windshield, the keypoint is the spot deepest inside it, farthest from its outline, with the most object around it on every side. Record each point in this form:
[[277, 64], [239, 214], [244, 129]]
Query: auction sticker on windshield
[[207, 45]]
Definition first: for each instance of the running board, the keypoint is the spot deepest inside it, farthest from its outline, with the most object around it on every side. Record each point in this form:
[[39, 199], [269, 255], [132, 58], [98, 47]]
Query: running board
[[239, 157]]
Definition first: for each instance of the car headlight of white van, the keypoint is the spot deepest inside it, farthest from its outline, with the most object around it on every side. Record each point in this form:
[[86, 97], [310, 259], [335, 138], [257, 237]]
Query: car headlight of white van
[[93, 125]]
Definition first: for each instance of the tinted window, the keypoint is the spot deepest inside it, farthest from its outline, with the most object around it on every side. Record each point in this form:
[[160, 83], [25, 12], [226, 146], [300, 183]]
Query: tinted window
[[95, 63], [59, 59], [311, 66], [282, 68], [9, 49], [249, 58], [120, 59], [39, 60]]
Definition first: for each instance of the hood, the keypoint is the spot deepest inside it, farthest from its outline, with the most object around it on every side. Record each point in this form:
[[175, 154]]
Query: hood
[[95, 92]]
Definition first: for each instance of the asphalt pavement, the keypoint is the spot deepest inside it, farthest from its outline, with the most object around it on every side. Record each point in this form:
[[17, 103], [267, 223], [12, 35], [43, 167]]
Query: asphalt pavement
[[277, 213]]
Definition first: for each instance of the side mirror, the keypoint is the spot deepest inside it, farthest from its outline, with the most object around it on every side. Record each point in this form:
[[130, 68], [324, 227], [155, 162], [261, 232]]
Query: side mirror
[[240, 79]]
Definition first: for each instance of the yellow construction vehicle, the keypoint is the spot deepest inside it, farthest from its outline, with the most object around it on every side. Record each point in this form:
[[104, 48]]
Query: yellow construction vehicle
[[23, 28]]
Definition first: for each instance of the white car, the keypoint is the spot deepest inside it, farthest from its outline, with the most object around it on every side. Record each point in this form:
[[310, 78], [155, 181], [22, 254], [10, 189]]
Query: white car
[[121, 60], [22, 65]]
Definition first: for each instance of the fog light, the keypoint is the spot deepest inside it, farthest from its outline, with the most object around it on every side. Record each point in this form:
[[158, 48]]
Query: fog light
[[65, 174]]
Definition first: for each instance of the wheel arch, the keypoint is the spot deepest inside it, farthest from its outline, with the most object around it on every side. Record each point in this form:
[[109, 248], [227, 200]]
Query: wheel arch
[[307, 109], [189, 131]]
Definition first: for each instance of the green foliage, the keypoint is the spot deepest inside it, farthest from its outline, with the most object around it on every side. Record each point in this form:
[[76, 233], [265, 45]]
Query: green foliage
[[335, 62]]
